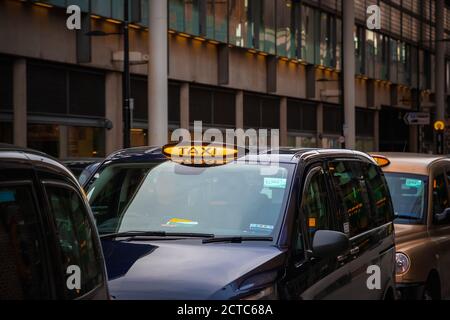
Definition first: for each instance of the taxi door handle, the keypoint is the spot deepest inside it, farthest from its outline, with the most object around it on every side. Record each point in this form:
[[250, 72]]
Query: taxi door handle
[[354, 251]]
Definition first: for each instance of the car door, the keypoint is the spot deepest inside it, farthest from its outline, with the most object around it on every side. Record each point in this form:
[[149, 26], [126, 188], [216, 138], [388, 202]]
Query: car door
[[24, 262], [440, 231], [313, 278], [354, 206], [78, 250]]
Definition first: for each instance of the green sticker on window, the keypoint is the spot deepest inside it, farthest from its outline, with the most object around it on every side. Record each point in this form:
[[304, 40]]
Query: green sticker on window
[[413, 183], [275, 183]]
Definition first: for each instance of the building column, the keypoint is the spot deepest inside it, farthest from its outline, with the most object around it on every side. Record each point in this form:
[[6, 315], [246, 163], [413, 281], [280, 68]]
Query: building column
[[184, 106], [20, 102], [319, 136], [440, 60], [240, 110], [283, 123], [348, 64], [113, 112], [158, 86], [376, 119]]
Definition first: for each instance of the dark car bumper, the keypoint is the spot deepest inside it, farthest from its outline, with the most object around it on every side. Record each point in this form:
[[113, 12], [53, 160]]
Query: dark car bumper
[[411, 291]]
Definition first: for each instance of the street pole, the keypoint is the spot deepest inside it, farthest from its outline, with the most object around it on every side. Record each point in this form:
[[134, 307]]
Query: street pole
[[126, 79]]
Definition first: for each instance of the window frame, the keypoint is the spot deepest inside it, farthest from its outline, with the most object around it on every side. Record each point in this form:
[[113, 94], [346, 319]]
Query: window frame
[[98, 251]]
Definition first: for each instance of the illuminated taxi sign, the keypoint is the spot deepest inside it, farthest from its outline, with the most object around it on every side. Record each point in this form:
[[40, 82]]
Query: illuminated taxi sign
[[381, 161], [200, 154], [439, 126]]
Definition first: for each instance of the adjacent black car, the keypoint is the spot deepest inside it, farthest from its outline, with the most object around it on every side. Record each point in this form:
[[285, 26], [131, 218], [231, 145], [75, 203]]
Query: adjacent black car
[[298, 224], [49, 246]]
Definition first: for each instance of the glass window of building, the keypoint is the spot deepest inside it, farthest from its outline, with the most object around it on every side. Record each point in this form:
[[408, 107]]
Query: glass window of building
[[261, 112], [174, 104], [44, 138], [138, 88], [333, 119], [6, 132], [267, 37], [176, 15], [327, 40], [6, 84], [365, 130], [86, 93], [239, 24], [47, 89], [212, 107], [86, 142], [309, 34], [101, 7], [359, 49], [286, 35], [302, 124], [394, 58], [371, 51], [217, 20], [192, 17]]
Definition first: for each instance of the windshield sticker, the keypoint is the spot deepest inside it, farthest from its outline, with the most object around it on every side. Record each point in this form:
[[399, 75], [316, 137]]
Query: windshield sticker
[[7, 196], [275, 183], [261, 227], [181, 223], [413, 183]]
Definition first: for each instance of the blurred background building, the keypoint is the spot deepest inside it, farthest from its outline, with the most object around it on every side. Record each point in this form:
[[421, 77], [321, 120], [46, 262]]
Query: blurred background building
[[231, 64]]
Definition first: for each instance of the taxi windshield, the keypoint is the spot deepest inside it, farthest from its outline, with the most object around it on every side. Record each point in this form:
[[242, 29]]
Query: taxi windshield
[[408, 194], [237, 199]]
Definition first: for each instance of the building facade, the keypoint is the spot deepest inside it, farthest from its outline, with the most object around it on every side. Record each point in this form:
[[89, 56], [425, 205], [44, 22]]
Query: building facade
[[273, 64]]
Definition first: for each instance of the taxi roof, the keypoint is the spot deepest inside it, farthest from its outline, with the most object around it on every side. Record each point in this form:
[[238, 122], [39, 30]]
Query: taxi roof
[[283, 155], [410, 162]]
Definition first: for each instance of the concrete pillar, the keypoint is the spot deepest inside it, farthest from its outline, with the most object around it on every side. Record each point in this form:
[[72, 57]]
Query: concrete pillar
[[348, 64], [158, 74], [113, 88], [63, 142], [240, 110], [283, 123], [184, 106], [440, 60], [320, 126], [376, 119], [20, 102]]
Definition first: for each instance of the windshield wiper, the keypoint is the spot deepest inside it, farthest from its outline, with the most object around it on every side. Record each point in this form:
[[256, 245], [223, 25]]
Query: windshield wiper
[[237, 239], [162, 234], [406, 217]]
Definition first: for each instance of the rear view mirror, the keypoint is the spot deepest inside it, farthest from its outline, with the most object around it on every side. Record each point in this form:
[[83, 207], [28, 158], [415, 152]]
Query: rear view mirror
[[329, 244]]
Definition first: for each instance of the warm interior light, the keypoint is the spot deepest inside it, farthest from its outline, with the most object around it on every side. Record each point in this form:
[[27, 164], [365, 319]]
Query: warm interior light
[[93, 16], [114, 21], [381, 161], [42, 4]]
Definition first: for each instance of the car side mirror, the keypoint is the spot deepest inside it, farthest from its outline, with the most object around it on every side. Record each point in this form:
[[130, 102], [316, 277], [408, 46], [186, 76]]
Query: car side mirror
[[442, 218], [329, 244]]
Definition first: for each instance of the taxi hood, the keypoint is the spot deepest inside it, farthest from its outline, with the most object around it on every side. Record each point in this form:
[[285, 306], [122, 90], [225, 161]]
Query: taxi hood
[[187, 269]]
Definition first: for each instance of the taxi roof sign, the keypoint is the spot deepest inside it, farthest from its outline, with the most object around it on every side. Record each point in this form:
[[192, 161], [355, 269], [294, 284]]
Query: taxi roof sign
[[200, 153], [381, 161]]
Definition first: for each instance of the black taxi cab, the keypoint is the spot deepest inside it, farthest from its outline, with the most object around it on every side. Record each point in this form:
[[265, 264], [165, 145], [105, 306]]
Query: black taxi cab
[[49, 246], [291, 224]]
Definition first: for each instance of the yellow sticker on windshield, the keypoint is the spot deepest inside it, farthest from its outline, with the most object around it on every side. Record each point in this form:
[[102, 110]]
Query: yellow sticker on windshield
[[181, 222]]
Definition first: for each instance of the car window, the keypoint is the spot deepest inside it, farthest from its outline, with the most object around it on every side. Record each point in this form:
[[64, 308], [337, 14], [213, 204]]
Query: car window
[[22, 274], [378, 191], [111, 190], [440, 194], [351, 193], [316, 205], [76, 239]]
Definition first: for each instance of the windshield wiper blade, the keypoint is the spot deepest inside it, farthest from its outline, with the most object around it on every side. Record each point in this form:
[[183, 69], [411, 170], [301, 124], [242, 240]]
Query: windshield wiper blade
[[237, 239], [406, 217], [162, 234]]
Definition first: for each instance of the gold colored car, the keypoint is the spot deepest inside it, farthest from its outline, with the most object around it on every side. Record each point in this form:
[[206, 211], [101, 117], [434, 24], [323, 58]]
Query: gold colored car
[[419, 186]]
